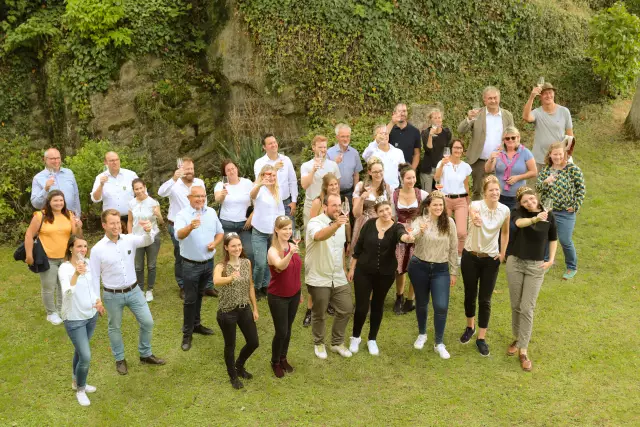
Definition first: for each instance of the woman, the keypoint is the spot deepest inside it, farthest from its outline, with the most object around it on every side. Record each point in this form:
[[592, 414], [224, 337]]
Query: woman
[[366, 194], [563, 183], [80, 307], [453, 174], [234, 197], [53, 225], [267, 206], [284, 292], [513, 165], [434, 140], [481, 258], [433, 267], [235, 300], [406, 201], [372, 269], [145, 208], [536, 231]]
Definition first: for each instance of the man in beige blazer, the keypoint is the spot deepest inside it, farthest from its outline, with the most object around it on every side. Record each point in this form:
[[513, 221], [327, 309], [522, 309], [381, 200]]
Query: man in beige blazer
[[486, 126]]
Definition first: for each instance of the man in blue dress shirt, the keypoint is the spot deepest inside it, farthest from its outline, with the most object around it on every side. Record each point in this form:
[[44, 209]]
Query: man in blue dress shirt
[[54, 177]]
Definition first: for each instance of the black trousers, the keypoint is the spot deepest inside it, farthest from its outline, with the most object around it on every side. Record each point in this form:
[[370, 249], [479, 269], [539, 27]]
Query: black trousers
[[365, 284], [243, 317], [484, 271], [283, 311], [195, 278]]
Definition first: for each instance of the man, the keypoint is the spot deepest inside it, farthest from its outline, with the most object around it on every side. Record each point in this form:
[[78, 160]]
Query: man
[[54, 177], [552, 121], [177, 189], [486, 126], [311, 173], [348, 162], [113, 187], [325, 276], [287, 180], [390, 156], [405, 136], [113, 261], [194, 227]]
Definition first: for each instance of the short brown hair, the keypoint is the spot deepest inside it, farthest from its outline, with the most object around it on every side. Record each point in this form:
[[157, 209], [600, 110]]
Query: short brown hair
[[107, 213], [187, 160], [224, 165], [318, 138]]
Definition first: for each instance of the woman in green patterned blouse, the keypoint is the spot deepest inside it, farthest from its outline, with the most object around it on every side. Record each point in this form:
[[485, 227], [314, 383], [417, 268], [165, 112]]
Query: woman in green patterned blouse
[[563, 183]]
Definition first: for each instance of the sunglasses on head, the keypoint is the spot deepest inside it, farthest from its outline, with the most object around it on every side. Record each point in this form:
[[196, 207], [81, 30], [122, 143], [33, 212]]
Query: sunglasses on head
[[510, 138]]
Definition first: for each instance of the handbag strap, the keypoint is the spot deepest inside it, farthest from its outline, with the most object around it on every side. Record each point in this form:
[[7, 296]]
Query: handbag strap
[[39, 228]]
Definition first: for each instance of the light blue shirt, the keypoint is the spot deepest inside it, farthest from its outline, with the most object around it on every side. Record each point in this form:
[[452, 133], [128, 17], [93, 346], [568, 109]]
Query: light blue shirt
[[194, 246], [349, 165], [64, 181]]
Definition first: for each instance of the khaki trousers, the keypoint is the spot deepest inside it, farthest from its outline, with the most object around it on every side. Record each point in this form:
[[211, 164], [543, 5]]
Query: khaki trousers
[[340, 299], [525, 280]]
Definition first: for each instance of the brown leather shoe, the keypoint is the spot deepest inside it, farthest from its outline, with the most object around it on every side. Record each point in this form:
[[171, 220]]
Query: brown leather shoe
[[121, 367], [513, 349], [211, 292], [525, 362], [152, 360]]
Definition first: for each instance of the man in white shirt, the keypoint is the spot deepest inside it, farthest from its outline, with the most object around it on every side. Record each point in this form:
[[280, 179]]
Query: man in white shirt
[[287, 180], [177, 188], [113, 187], [311, 173], [113, 261], [195, 225], [325, 275], [390, 156]]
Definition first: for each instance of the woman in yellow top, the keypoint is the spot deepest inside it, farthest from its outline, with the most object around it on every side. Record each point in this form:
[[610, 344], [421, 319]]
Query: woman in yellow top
[[58, 224]]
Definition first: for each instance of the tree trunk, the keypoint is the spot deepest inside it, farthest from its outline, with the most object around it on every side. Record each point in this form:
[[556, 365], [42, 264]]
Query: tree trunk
[[632, 123]]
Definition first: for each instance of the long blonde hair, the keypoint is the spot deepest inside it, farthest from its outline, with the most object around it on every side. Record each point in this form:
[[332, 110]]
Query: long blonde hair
[[281, 222], [267, 168]]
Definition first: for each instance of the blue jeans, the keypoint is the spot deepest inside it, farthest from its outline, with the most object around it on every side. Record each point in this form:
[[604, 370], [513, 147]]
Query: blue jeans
[[80, 332], [195, 280], [115, 304], [261, 273], [151, 252], [429, 278], [177, 266], [245, 235], [566, 222]]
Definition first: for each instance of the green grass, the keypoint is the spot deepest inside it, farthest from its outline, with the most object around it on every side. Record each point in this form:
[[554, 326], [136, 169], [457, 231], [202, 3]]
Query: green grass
[[584, 346]]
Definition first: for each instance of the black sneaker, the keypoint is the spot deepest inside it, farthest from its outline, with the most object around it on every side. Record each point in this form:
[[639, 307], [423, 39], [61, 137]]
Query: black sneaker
[[242, 373], [397, 307], [307, 319], [236, 383], [483, 347], [468, 333], [408, 306], [330, 310]]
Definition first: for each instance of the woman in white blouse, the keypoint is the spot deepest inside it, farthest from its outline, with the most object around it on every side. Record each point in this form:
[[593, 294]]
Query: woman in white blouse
[[145, 208], [481, 258], [80, 307], [267, 205], [234, 196]]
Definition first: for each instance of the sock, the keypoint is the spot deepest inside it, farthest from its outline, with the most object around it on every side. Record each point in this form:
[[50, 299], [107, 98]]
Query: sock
[[480, 340]]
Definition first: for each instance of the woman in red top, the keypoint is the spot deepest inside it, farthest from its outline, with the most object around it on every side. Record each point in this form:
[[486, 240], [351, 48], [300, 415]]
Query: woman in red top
[[283, 293]]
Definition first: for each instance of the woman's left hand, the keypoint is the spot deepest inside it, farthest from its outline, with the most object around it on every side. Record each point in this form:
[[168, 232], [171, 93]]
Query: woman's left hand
[[546, 265], [501, 257], [513, 179], [452, 281], [255, 315], [570, 209], [410, 238], [247, 224], [98, 306]]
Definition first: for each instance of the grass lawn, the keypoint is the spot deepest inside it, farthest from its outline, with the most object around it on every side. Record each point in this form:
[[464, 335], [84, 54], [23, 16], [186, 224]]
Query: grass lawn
[[584, 347]]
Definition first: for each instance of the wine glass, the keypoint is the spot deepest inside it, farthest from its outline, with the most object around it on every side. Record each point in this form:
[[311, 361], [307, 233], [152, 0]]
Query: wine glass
[[540, 82], [439, 185], [105, 169], [296, 236], [345, 207], [179, 162], [446, 153], [547, 205], [225, 181]]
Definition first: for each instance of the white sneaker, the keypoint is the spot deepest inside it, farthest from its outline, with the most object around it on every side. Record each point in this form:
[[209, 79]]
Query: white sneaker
[[373, 348], [87, 388], [321, 351], [354, 344], [341, 350], [442, 351], [83, 400], [149, 296], [419, 344], [54, 319]]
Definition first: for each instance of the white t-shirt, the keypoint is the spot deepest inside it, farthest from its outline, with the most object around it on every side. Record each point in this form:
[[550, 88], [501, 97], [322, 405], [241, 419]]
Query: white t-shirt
[[484, 239], [391, 160], [265, 211], [313, 191], [234, 207], [453, 177], [143, 210]]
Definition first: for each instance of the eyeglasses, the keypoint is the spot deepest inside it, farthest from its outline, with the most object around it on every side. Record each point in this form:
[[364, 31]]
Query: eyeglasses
[[377, 172], [510, 138]]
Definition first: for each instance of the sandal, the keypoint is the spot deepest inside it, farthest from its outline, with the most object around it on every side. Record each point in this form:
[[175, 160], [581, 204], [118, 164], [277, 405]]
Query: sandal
[[525, 362]]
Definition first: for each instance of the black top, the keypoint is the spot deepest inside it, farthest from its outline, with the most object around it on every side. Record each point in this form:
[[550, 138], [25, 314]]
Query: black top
[[378, 255], [406, 139], [433, 155], [530, 242]]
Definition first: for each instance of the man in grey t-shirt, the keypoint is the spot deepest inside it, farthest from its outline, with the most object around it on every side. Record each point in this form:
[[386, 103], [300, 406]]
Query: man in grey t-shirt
[[552, 121]]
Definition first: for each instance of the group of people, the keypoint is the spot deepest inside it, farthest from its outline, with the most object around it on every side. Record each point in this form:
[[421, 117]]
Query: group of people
[[370, 232]]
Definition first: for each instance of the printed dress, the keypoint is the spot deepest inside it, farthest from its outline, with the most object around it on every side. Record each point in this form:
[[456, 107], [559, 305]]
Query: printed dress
[[406, 215]]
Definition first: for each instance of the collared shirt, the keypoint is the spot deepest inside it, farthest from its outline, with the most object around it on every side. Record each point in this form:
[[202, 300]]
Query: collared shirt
[[194, 246], [177, 192], [406, 139], [349, 165], [494, 129], [324, 260], [390, 159], [64, 181], [116, 192], [287, 180], [77, 301], [313, 190], [115, 262]]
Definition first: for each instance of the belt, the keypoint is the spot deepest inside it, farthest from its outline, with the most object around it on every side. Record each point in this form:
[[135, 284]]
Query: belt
[[196, 262], [455, 196], [237, 307], [121, 291], [479, 254]]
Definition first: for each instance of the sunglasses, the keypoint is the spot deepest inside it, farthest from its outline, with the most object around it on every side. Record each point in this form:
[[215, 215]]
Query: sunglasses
[[510, 138]]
